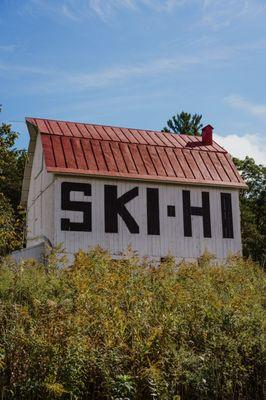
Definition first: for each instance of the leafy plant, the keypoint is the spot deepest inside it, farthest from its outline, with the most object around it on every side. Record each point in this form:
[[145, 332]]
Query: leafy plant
[[125, 329], [253, 209], [12, 163], [12, 217], [11, 227]]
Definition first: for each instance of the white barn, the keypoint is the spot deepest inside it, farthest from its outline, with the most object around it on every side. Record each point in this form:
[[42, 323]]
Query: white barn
[[161, 193]]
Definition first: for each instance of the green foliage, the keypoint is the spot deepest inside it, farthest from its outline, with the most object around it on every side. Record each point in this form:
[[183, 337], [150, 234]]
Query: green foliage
[[185, 124], [12, 217], [12, 163], [253, 209], [11, 227], [107, 329]]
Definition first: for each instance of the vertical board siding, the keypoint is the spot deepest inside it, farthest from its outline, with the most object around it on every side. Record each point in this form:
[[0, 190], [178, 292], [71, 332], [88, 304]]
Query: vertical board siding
[[40, 206], [171, 239]]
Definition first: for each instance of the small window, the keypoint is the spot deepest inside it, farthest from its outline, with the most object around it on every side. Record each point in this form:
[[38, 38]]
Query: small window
[[171, 211]]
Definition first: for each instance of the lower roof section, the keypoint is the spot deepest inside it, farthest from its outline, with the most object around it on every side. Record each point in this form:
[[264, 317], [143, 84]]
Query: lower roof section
[[84, 156]]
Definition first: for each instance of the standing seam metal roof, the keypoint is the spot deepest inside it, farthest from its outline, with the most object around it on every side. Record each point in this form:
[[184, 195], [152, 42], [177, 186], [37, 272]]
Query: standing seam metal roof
[[98, 150]]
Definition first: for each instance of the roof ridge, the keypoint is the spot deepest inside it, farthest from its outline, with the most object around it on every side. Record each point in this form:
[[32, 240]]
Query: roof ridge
[[93, 124], [109, 126]]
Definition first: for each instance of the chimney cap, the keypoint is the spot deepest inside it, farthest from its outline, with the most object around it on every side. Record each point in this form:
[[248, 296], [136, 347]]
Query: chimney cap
[[208, 126]]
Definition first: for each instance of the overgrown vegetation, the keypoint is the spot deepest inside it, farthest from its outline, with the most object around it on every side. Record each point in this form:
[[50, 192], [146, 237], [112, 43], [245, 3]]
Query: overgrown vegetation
[[12, 163], [253, 209], [12, 216], [11, 227], [106, 329]]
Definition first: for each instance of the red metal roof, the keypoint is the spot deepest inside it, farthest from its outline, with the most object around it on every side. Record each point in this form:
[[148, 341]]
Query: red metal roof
[[109, 151]]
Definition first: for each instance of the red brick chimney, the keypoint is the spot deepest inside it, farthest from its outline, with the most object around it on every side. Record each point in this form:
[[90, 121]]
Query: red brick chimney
[[207, 135]]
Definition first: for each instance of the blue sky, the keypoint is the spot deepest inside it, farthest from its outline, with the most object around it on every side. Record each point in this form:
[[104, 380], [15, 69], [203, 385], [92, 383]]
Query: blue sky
[[137, 62]]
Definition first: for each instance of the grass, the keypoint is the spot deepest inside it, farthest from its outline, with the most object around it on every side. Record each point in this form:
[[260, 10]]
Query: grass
[[124, 329]]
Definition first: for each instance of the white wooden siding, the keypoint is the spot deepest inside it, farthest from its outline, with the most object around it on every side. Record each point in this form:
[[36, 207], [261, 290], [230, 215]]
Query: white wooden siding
[[171, 239], [40, 210]]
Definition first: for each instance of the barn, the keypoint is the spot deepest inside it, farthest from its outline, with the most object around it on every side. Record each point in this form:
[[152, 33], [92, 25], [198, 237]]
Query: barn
[[160, 193]]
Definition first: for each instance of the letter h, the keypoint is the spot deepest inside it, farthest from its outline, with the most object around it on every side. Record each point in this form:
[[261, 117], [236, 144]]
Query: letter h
[[203, 211]]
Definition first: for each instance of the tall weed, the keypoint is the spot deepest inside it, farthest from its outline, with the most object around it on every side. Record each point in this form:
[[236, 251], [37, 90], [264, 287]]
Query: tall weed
[[125, 330]]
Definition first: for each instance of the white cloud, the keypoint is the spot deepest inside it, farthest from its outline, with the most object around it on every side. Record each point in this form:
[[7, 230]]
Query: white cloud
[[241, 146], [119, 73], [218, 14], [68, 13], [81, 9], [165, 5], [14, 69], [56, 81], [235, 101], [55, 9], [214, 14], [104, 9], [50, 80], [9, 48]]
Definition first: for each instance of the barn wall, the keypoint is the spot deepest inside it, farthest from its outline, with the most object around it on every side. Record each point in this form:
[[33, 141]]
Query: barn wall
[[40, 209], [171, 239]]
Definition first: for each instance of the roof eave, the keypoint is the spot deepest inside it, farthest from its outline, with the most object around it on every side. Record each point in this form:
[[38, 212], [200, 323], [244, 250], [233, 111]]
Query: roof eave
[[33, 132], [147, 178]]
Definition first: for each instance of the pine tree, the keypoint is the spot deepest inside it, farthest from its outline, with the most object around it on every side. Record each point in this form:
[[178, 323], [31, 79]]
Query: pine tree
[[184, 124]]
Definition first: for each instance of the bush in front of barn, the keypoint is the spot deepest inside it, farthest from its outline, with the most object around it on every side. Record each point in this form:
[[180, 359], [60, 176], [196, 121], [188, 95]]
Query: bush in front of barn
[[109, 329]]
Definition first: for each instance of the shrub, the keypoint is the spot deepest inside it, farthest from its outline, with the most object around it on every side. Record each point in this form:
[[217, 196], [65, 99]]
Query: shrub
[[108, 329], [11, 227]]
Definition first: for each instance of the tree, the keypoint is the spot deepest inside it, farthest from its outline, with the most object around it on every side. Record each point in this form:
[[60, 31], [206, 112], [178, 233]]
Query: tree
[[185, 124], [12, 216], [253, 209], [12, 162], [11, 227]]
